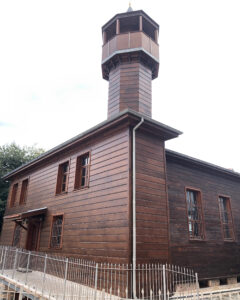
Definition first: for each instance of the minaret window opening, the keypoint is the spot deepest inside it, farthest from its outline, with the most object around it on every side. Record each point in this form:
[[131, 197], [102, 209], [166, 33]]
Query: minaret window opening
[[129, 24], [148, 29], [110, 32]]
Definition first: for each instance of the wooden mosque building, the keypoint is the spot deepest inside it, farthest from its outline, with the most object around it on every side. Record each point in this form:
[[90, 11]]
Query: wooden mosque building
[[115, 187]]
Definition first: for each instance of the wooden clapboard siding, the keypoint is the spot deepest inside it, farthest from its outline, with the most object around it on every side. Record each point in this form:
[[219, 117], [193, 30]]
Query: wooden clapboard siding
[[151, 199], [211, 257], [130, 86], [96, 219]]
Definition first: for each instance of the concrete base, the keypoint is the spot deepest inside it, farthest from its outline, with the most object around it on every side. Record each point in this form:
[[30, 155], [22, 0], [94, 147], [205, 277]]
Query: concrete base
[[232, 280], [186, 287], [213, 282]]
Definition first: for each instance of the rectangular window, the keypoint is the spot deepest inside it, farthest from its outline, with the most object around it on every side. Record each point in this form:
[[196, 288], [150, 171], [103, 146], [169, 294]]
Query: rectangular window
[[82, 171], [195, 220], [23, 195], [62, 180], [226, 217], [56, 232], [14, 195], [16, 236]]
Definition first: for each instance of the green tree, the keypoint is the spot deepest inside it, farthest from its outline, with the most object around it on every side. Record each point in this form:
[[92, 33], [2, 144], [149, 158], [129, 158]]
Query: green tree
[[13, 156]]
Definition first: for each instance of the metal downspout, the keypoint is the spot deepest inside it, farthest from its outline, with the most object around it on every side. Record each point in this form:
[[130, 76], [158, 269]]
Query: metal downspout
[[134, 207]]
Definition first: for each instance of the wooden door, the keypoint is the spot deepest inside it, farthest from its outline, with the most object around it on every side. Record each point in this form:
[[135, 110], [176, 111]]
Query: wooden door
[[33, 235]]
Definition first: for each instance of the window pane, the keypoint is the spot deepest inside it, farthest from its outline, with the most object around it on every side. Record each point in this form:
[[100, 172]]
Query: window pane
[[226, 217], [16, 236], [195, 225], [62, 178], [65, 167], [82, 171], [83, 181], [196, 230], [56, 235], [23, 195], [14, 194]]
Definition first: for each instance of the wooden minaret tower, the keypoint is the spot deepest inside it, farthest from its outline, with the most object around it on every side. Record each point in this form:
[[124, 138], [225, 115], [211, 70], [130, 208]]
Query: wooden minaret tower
[[130, 61]]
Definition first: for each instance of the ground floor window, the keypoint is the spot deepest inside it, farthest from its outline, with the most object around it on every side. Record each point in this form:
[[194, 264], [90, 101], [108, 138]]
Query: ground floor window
[[56, 232], [16, 236], [194, 210], [226, 217]]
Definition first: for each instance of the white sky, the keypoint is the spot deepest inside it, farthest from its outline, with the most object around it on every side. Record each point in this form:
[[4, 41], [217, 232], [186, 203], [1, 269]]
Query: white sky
[[51, 87]]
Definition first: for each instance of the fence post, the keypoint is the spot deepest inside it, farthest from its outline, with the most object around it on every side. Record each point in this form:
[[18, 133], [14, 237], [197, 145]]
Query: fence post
[[4, 258], [65, 279], [20, 294], [44, 272], [28, 261], [197, 285], [95, 286], [15, 263], [164, 283]]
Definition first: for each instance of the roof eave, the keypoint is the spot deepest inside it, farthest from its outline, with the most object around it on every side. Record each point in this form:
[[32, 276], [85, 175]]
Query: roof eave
[[166, 131], [188, 160], [131, 13]]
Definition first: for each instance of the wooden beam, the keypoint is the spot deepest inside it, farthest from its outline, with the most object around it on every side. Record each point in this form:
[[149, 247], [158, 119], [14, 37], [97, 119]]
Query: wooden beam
[[117, 26], [20, 224], [140, 23]]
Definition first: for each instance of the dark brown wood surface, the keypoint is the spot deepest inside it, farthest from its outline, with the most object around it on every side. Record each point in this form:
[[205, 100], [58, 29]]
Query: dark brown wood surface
[[96, 219], [212, 256], [151, 200], [130, 87]]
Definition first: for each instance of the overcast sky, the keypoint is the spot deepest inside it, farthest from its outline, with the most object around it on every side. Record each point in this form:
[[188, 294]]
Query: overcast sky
[[51, 87]]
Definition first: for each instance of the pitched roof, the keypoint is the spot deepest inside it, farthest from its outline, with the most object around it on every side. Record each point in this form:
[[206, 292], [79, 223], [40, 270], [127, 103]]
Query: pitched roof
[[194, 162], [150, 124]]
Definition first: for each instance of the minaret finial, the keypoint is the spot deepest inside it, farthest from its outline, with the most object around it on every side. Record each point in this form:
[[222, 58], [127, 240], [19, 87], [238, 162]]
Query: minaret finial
[[130, 7]]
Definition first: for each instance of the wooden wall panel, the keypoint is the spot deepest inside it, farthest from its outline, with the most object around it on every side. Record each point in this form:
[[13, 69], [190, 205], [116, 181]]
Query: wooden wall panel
[[151, 200], [96, 224], [130, 86], [212, 256]]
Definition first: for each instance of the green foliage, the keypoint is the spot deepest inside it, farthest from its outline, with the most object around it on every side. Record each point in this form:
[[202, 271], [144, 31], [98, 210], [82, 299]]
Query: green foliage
[[13, 156]]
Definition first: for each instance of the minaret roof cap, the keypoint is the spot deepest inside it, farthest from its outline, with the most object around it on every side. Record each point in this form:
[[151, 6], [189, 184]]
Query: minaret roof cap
[[130, 7], [128, 14]]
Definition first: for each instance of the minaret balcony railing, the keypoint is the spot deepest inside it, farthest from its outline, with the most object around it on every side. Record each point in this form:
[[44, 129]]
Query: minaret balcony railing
[[130, 41]]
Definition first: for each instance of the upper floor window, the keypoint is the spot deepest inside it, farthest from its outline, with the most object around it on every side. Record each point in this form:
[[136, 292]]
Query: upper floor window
[[195, 220], [23, 195], [56, 232], [14, 195], [62, 179], [226, 217], [82, 171]]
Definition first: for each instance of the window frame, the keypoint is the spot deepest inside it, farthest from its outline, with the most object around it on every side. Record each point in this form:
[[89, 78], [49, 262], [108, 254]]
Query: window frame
[[220, 217], [51, 230], [57, 192], [13, 192], [79, 171], [15, 227], [23, 198], [199, 199]]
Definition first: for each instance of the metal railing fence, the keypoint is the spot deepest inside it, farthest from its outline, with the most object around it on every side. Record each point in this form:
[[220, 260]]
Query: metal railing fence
[[48, 276]]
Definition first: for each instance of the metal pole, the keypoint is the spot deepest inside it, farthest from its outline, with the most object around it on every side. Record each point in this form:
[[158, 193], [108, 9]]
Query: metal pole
[[197, 285], [65, 279], [96, 278], [20, 294], [15, 263], [164, 283], [134, 206], [44, 272], [28, 261], [3, 265]]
